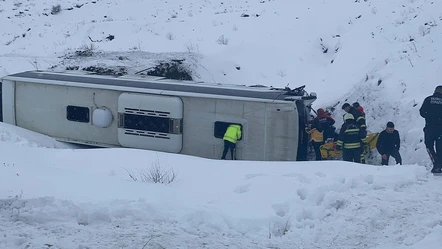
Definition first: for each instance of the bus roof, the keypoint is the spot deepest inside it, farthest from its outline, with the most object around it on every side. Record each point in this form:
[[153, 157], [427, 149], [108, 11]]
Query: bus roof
[[140, 82]]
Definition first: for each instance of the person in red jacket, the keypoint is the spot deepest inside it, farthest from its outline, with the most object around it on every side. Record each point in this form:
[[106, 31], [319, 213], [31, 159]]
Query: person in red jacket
[[325, 122], [359, 107]]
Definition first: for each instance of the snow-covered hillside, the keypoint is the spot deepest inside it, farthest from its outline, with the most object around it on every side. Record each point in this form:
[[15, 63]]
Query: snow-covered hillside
[[383, 54]]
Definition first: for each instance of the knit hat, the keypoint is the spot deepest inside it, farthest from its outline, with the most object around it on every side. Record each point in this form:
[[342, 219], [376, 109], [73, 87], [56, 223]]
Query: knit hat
[[356, 104], [438, 89], [390, 125], [348, 116], [320, 111], [345, 105]]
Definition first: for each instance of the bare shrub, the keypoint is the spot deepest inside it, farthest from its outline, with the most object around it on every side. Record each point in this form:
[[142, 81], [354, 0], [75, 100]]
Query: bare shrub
[[56, 9], [136, 47], [34, 63], [155, 173], [192, 48], [86, 50], [170, 36], [149, 241], [281, 73], [13, 203], [423, 31], [222, 40], [280, 228]]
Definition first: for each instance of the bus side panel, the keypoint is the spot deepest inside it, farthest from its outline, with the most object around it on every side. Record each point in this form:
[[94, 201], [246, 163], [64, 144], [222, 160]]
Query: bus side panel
[[66, 112], [202, 121], [281, 134], [8, 102], [253, 138]]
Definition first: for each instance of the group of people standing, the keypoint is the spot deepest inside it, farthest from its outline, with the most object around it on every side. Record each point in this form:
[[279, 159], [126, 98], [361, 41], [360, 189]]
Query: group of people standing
[[352, 136]]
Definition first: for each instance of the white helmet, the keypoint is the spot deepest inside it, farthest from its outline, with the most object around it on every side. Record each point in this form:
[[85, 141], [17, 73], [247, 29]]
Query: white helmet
[[348, 116]]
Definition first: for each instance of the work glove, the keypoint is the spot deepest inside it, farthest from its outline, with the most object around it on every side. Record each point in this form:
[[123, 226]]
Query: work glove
[[366, 146]]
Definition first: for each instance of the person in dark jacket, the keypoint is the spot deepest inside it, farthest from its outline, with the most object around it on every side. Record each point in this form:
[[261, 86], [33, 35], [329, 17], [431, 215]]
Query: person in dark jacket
[[359, 107], [326, 122], [431, 110], [388, 144], [351, 140], [358, 116]]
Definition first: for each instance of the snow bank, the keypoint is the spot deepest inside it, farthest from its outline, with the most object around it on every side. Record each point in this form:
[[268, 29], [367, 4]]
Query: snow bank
[[26, 138], [243, 204]]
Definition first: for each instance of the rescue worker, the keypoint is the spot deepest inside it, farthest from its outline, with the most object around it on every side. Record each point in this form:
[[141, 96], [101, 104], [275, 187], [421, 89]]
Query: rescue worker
[[351, 140], [431, 110], [388, 144], [359, 107], [232, 135], [316, 140], [326, 122], [358, 116]]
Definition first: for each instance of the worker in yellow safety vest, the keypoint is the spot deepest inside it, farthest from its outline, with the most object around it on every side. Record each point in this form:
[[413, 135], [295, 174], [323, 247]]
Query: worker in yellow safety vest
[[232, 135], [316, 140]]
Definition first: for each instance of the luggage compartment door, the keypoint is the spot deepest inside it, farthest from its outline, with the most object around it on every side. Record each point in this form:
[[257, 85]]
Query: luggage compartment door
[[152, 122]]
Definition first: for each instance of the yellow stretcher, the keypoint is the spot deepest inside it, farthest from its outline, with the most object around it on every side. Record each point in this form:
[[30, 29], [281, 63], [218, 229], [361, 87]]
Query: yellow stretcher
[[328, 150]]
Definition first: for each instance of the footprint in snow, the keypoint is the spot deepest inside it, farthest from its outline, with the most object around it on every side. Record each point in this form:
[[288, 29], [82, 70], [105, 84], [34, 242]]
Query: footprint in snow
[[242, 189], [320, 174], [281, 209], [251, 176], [302, 193], [301, 178]]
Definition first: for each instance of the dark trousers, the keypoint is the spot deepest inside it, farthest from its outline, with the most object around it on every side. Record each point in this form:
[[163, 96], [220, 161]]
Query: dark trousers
[[229, 145], [317, 148], [330, 133], [395, 154], [352, 155], [433, 135]]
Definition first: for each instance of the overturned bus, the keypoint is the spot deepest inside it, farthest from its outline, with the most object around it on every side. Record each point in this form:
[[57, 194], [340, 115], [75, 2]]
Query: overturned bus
[[155, 113]]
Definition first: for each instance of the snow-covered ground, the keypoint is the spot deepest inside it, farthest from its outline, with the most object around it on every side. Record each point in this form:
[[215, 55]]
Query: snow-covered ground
[[66, 198], [384, 54]]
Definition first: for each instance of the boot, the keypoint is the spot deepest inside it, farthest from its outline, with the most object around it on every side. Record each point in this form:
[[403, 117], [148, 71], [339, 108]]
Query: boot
[[436, 170]]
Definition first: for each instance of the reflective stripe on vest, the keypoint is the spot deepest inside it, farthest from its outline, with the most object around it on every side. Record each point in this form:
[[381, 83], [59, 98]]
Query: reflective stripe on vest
[[352, 145]]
